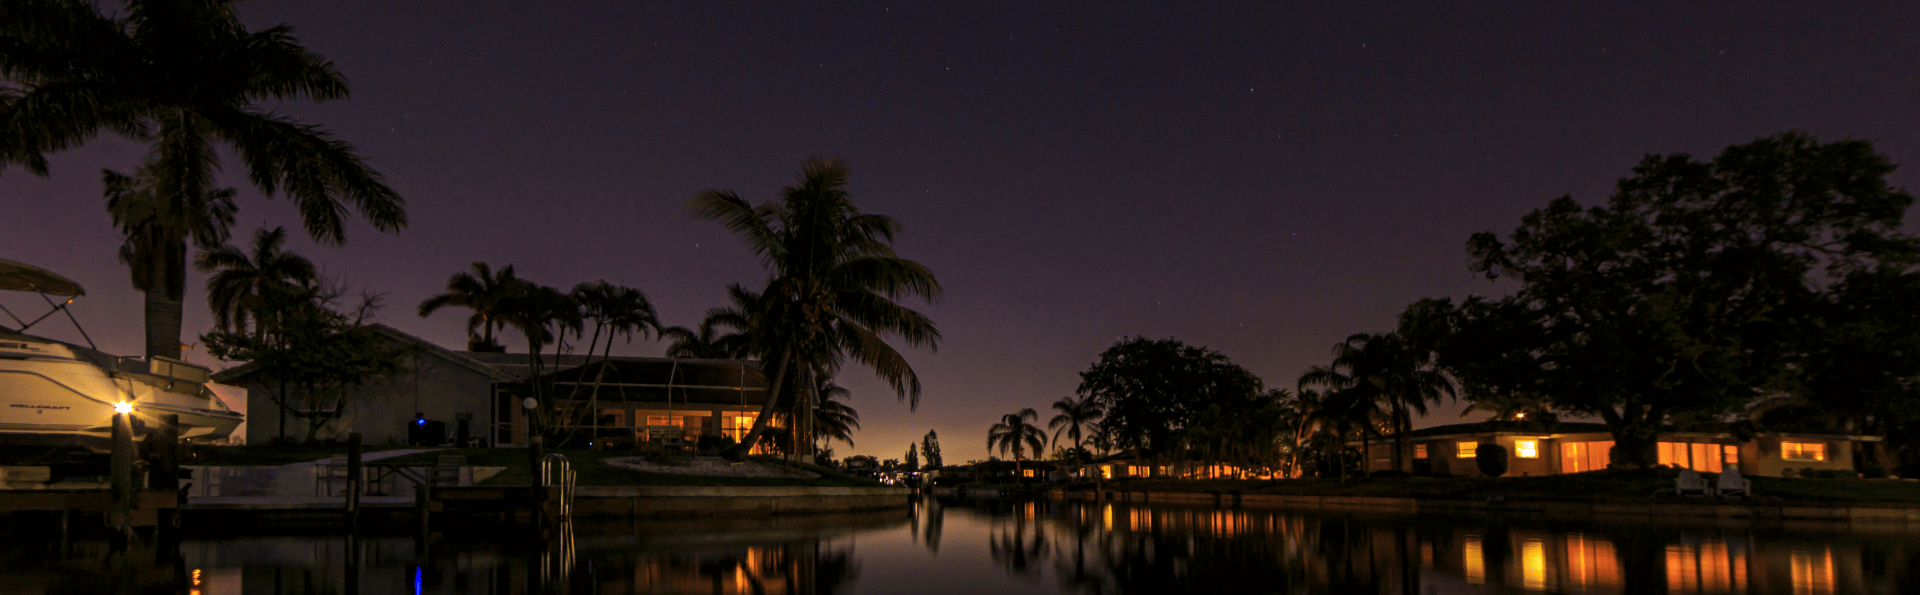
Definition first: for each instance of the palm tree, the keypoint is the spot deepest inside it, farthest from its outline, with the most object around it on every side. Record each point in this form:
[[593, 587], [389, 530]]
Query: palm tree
[[187, 76], [543, 315], [480, 291], [1016, 432], [837, 420], [618, 311], [250, 290], [156, 226], [834, 279], [706, 340], [1074, 416], [1385, 367]]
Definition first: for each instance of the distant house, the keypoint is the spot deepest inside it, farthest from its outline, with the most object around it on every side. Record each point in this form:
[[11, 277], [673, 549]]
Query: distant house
[[476, 397], [1572, 447]]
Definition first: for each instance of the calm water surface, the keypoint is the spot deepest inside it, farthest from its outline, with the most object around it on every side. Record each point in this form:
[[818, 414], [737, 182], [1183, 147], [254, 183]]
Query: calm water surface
[[1009, 546]]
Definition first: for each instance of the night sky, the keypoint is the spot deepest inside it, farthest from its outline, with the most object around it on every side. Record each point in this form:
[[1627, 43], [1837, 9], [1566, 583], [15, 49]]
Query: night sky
[[1261, 181]]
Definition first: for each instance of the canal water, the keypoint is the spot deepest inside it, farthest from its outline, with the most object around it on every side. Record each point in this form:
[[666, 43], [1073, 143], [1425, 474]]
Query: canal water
[[1005, 546]]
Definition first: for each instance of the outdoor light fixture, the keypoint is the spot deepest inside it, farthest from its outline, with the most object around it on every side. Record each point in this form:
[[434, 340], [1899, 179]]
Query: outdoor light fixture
[[529, 403], [123, 407]]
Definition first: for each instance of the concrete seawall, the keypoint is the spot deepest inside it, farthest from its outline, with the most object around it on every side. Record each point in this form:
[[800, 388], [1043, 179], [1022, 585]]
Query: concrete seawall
[[688, 501], [1894, 514]]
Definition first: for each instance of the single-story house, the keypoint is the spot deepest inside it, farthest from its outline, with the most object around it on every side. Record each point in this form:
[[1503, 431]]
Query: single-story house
[[476, 397], [1572, 447]]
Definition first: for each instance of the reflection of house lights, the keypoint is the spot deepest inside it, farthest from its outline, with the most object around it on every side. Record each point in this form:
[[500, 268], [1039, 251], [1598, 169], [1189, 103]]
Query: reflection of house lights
[[123, 407]]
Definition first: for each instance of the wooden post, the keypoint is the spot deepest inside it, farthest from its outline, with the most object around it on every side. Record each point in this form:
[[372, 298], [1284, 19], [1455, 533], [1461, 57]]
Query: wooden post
[[353, 479], [534, 447], [122, 469], [165, 472]]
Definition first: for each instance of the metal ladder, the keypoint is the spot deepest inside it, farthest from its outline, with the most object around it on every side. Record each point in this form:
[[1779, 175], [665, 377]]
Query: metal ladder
[[567, 477]]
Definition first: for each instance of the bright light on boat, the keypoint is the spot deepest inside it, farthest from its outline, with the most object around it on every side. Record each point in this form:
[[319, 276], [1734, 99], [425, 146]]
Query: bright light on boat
[[123, 407]]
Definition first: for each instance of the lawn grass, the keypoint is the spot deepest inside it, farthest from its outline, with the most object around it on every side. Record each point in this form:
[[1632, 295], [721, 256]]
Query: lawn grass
[[270, 454], [1591, 486], [591, 472]]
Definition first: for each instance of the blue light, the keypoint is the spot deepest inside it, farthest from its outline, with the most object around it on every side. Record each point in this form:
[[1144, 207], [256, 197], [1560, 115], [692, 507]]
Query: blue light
[[416, 580], [419, 422]]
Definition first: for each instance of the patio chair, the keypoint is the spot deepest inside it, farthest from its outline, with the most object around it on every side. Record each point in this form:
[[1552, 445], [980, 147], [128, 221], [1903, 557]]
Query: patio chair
[[446, 470], [330, 474], [1732, 483], [1690, 483]]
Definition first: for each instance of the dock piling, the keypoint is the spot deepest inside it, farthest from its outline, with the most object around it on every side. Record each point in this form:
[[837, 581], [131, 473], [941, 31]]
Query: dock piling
[[353, 479]]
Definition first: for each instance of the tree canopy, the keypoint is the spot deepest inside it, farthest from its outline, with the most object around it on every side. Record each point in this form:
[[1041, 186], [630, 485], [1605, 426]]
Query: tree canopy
[[1695, 289], [1151, 390]]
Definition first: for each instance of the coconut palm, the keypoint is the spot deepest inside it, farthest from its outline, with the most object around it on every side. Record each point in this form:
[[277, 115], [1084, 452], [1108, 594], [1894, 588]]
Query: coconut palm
[[188, 77], [156, 226], [1016, 433], [479, 290], [834, 279], [616, 311], [252, 290], [1074, 416]]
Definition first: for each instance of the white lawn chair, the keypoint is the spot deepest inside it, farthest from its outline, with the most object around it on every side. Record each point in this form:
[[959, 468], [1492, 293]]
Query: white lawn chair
[[1732, 483], [1690, 483]]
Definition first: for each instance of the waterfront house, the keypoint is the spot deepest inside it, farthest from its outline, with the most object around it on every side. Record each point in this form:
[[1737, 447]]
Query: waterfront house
[[1571, 447], [476, 397]]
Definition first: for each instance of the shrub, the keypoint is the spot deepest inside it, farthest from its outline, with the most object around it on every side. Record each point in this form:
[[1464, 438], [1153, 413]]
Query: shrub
[[1492, 459]]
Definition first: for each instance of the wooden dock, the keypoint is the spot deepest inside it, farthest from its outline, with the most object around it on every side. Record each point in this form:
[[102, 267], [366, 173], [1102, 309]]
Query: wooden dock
[[146, 510]]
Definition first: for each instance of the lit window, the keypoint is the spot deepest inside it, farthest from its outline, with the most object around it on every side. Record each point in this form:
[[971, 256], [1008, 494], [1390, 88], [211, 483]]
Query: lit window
[[1467, 449], [1526, 449], [1803, 451], [1419, 451], [1729, 455]]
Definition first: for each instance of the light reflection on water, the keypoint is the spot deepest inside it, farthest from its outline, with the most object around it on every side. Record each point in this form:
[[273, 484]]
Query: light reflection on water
[[1010, 546]]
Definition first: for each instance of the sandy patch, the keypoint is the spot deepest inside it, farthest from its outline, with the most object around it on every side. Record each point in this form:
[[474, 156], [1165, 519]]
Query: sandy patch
[[713, 466]]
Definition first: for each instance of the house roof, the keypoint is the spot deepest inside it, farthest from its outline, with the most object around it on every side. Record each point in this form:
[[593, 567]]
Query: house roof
[[1508, 427], [650, 379], [412, 343]]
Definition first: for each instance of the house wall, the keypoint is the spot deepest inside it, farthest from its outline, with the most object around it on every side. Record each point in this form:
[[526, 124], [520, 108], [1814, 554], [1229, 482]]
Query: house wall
[[1762, 456], [1444, 454], [381, 410]]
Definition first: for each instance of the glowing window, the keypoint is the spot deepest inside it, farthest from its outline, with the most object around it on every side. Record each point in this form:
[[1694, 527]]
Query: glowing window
[[1729, 455], [1526, 449], [1419, 451], [1467, 449], [1803, 451]]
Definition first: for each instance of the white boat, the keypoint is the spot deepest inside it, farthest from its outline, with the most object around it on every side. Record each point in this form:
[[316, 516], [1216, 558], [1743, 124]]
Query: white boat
[[54, 393]]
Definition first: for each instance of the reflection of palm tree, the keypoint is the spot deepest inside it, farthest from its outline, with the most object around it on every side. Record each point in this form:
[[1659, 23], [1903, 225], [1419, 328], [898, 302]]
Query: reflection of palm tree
[[480, 291], [834, 280], [1016, 433], [189, 77], [1013, 550], [935, 515]]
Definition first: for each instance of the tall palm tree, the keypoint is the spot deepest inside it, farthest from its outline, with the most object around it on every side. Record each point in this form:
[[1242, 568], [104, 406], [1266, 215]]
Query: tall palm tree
[[250, 290], [189, 77], [479, 290], [1017, 433], [156, 226], [543, 315], [1074, 416], [617, 311], [834, 279], [1388, 368]]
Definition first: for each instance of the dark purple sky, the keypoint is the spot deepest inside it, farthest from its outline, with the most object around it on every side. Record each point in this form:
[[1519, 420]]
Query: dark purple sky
[[1263, 182]]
